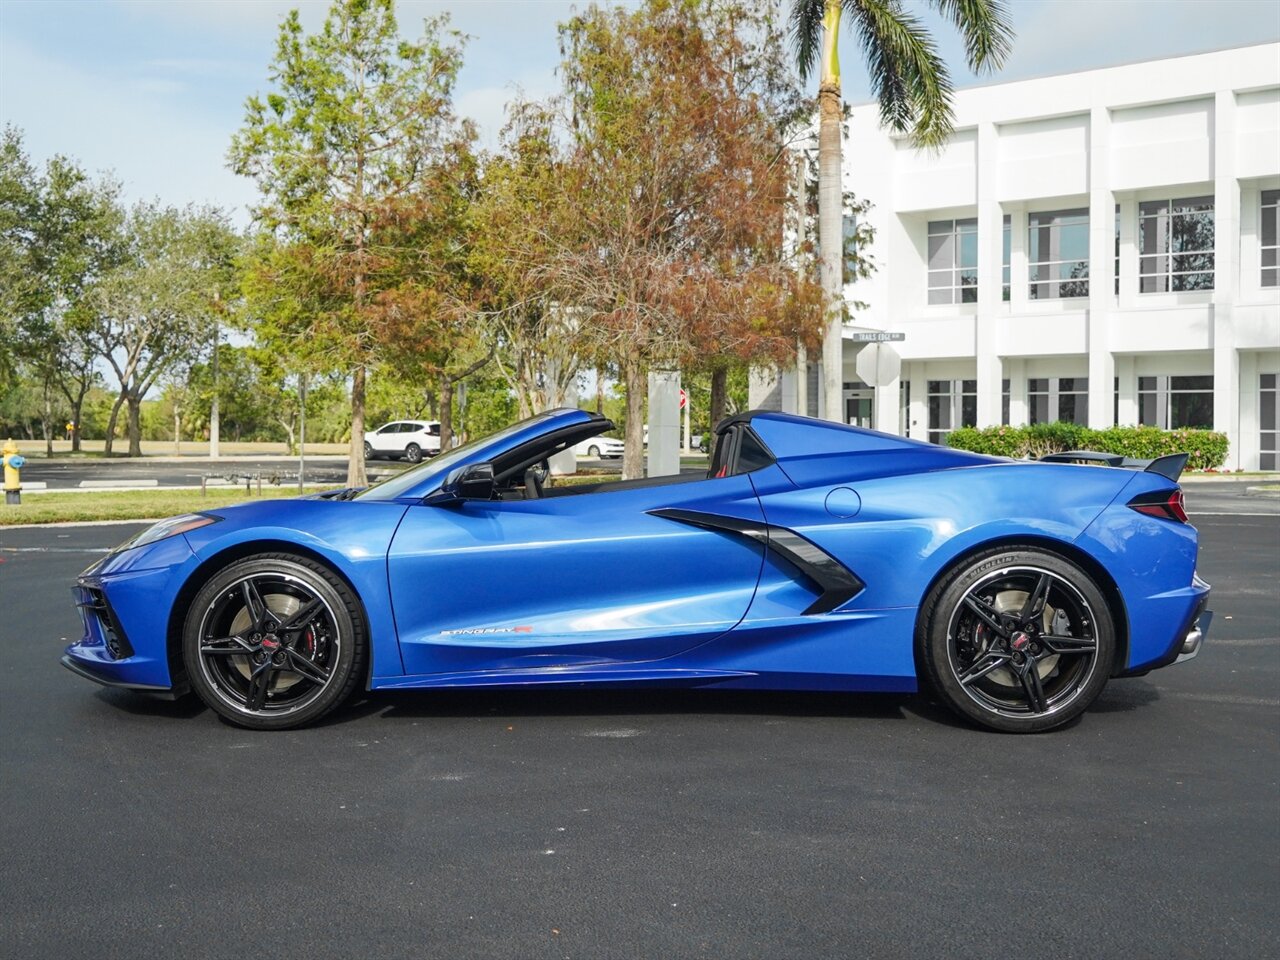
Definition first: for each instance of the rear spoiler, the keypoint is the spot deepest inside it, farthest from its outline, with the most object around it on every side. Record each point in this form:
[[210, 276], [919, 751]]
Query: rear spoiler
[[1170, 466]]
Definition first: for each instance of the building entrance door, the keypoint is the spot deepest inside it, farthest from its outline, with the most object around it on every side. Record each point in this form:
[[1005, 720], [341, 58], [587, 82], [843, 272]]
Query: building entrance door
[[858, 403]]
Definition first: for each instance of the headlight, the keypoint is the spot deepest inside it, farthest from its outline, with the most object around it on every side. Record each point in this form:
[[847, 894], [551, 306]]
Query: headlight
[[168, 528]]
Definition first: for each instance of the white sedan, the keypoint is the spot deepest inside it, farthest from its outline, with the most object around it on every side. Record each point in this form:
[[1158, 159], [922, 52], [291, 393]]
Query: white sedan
[[599, 448], [410, 439]]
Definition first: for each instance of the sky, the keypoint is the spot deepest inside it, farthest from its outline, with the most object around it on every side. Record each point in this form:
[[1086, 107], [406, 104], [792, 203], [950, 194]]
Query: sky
[[152, 90]]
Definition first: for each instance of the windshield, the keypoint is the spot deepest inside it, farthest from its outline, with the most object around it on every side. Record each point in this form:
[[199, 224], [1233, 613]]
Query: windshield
[[440, 465]]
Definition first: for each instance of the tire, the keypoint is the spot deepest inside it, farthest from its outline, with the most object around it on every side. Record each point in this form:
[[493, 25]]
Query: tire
[[274, 641], [593, 451], [413, 453], [1019, 640], [368, 451]]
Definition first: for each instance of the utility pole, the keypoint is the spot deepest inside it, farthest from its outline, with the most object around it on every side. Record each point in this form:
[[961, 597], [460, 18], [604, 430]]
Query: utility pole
[[302, 428], [688, 439], [213, 407]]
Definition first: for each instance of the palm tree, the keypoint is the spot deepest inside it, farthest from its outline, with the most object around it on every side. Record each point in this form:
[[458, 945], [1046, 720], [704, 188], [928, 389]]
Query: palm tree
[[914, 89]]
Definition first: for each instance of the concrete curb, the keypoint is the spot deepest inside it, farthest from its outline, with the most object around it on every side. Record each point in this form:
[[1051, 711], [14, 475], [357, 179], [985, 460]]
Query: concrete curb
[[190, 458], [73, 523], [112, 484], [122, 488], [1262, 492]]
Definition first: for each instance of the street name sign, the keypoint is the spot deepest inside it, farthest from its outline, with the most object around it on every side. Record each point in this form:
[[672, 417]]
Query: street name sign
[[878, 336]]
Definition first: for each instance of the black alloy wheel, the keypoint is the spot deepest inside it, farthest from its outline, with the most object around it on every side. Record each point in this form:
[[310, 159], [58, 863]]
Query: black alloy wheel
[[274, 642], [1018, 640]]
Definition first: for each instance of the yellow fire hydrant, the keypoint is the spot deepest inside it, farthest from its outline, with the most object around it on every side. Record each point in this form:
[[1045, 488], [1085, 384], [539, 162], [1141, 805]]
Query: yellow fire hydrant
[[13, 462]]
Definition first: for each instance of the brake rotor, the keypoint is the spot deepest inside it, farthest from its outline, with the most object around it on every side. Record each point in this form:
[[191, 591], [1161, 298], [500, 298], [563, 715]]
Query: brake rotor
[[283, 606], [1054, 621]]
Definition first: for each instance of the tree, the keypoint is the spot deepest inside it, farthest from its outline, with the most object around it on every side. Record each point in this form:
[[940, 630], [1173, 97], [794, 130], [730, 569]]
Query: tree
[[154, 307], [913, 87], [355, 115], [281, 392], [59, 232], [675, 186], [19, 212], [79, 242], [21, 403], [732, 326], [429, 314], [537, 347]]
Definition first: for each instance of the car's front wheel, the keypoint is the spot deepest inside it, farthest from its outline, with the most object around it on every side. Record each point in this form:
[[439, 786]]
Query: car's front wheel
[[368, 450], [1017, 640], [413, 453], [274, 641]]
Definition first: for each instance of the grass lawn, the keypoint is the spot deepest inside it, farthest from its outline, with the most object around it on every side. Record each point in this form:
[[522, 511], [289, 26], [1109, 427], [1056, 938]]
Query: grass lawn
[[127, 504]]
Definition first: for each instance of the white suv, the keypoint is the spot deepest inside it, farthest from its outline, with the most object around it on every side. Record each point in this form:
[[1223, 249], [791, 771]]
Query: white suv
[[410, 439]]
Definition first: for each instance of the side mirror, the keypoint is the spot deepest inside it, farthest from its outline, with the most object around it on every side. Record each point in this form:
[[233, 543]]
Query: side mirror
[[472, 482]]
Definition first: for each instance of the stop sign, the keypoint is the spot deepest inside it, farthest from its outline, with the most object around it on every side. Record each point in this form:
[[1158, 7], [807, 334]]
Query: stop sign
[[878, 364]]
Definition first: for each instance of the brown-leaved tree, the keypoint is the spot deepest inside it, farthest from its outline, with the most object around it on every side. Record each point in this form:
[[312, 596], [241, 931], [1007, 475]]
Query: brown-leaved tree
[[668, 239]]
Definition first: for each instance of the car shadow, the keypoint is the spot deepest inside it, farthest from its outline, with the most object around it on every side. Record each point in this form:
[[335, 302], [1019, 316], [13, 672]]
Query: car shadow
[[142, 705], [1118, 697], [418, 704]]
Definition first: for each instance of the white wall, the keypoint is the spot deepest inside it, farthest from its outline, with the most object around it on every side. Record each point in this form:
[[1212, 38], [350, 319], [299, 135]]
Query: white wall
[[1207, 124], [1162, 143]]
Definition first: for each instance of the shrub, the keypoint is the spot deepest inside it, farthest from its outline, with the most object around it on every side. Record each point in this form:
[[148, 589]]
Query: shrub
[[1206, 449]]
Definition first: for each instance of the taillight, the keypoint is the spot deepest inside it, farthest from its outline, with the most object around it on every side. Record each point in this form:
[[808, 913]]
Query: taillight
[[1165, 504]]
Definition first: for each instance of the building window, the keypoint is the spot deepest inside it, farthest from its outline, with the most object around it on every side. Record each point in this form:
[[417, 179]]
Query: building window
[[1175, 244], [1269, 232], [1005, 268], [1050, 399], [1173, 402], [953, 261], [1268, 415], [1004, 402], [1058, 254], [952, 403], [1117, 249]]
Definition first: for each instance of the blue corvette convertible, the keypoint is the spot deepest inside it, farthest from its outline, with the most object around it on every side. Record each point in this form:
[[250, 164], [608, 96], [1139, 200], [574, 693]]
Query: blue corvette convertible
[[811, 556]]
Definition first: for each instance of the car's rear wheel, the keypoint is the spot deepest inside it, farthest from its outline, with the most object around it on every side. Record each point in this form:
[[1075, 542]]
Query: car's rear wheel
[[593, 451], [1017, 640], [274, 641], [413, 453], [368, 450]]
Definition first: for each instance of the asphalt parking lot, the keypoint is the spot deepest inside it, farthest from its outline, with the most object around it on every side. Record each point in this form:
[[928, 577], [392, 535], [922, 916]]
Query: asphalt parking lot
[[569, 824]]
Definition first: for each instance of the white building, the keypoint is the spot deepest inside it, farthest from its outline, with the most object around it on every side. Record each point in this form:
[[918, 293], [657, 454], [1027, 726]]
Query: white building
[[1097, 246]]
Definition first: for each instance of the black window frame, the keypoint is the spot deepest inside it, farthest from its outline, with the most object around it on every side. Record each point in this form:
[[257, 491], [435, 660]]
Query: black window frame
[[728, 453]]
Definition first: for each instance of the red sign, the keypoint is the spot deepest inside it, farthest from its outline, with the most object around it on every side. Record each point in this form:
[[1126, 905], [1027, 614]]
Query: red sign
[[684, 399]]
